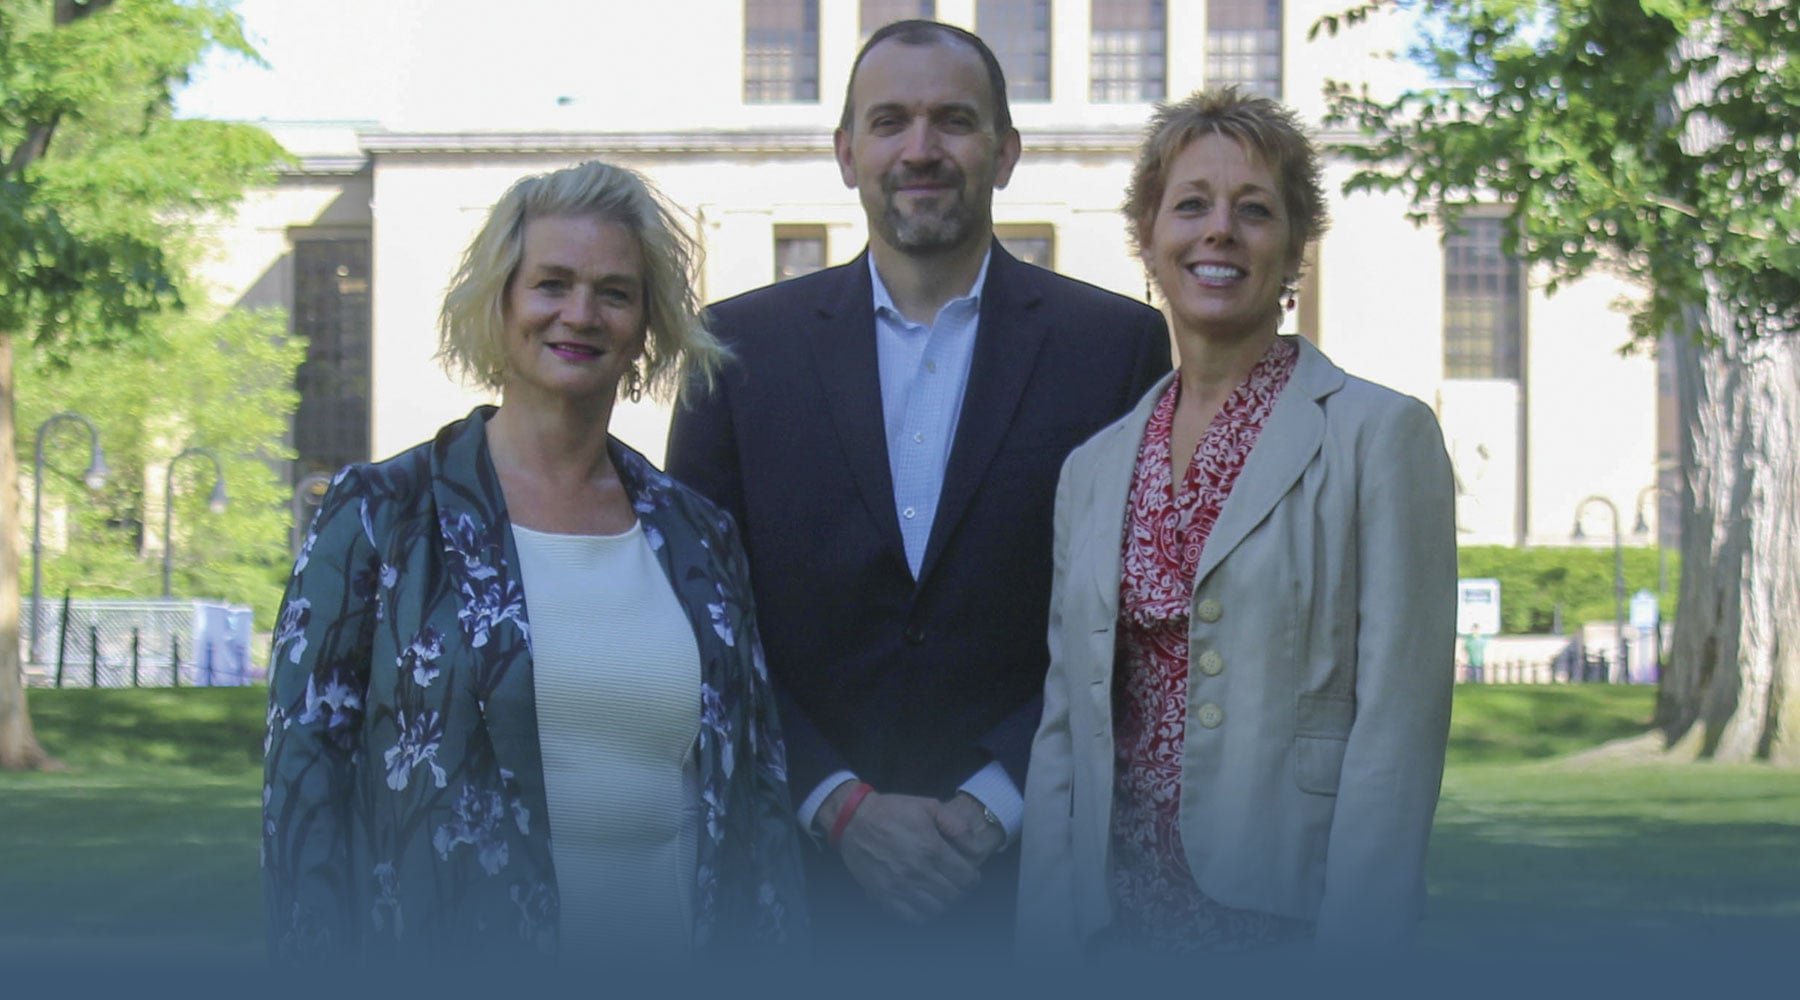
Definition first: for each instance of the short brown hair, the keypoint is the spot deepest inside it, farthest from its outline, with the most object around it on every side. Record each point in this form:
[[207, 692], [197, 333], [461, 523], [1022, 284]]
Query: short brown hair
[[473, 316], [921, 32], [1264, 127]]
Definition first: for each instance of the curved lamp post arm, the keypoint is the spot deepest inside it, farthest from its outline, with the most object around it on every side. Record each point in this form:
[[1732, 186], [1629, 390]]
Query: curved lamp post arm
[[1642, 525], [1618, 572], [94, 478], [216, 503]]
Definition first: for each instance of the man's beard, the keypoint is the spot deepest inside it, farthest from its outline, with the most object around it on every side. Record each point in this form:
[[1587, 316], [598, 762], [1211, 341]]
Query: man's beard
[[927, 229]]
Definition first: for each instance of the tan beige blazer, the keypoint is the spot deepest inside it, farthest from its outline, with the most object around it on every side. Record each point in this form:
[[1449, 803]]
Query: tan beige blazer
[[1320, 646]]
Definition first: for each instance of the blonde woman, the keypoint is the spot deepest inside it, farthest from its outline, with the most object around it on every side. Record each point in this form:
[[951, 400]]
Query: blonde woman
[[518, 701]]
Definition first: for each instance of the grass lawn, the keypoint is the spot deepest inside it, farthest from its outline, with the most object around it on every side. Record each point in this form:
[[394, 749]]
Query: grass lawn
[[146, 847], [1540, 848]]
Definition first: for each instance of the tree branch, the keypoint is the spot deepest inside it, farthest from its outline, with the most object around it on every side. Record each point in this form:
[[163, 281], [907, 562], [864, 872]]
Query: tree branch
[[32, 149]]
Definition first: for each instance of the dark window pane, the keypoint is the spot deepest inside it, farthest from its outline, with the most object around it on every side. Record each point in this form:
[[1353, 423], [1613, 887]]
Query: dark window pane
[[1126, 62], [781, 51], [331, 310], [1019, 33], [875, 13], [1484, 296], [1033, 244], [798, 250], [1243, 45]]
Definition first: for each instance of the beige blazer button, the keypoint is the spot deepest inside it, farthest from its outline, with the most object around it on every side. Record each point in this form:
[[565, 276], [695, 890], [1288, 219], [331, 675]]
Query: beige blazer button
[[1211, 663], [1209, 611], [1211, 715]]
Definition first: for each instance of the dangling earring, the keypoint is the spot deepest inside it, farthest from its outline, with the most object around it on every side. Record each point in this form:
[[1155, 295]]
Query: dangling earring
[[634, 383], [1293, 302], [1291, 293]]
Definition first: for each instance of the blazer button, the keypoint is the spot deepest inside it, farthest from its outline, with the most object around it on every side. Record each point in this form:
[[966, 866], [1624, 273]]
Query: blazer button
[[1211, 663], [914, 635], [1209, 611], [1211, 715]]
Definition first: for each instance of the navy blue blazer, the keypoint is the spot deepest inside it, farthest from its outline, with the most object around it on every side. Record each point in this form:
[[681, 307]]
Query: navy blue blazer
[[913, 684]]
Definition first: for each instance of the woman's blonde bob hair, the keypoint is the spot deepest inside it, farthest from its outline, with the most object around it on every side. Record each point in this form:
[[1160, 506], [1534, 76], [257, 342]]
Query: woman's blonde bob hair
[[1265, 128], [473, 320]]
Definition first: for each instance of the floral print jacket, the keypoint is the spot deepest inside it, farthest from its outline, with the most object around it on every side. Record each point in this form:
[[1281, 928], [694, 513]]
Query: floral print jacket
[[403, 801]]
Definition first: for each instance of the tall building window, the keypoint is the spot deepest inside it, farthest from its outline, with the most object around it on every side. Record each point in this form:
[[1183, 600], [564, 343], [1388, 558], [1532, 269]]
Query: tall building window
[[1243, 45], [1126, 57], [798, 250], [1484, 301], [781, 51], [331, 310], [875, 13], [1019, 33], [1033, 244]]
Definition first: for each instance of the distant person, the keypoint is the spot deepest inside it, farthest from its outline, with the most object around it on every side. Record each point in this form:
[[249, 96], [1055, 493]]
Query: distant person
[[1475, 648], [888, 437], [518, 701], [1252, 628]]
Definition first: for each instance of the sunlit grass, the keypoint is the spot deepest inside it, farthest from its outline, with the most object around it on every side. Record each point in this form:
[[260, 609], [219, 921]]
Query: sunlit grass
[[1538, 851], [1509, 723]]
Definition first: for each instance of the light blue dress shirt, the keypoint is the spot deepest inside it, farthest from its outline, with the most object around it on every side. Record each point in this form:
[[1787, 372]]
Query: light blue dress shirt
[[924, 373]]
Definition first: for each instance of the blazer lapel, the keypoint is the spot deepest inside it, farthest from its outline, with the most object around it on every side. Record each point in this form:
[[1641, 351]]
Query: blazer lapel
[[478, 553], [1098, 494], [1287, 444], [1008, 337], [843, 344], [1099, 512]]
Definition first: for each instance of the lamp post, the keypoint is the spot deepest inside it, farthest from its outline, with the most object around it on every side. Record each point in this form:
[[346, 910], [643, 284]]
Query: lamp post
[[94, 478], [216, 504], [309, 493], [1642, 527], [1618, 574]]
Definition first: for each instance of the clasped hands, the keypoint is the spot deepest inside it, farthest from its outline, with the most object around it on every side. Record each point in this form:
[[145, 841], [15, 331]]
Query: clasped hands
[[913, 855]]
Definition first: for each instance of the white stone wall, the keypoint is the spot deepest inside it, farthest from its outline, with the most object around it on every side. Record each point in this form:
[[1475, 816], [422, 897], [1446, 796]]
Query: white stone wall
[[1582, 422], [1590, 413]]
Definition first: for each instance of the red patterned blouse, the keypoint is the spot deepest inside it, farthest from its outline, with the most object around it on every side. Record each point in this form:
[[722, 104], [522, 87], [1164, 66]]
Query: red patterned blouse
[[1158, 906]]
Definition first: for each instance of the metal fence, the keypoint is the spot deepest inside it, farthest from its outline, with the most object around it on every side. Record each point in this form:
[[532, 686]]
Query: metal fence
[[92, 642], [1573, 666]]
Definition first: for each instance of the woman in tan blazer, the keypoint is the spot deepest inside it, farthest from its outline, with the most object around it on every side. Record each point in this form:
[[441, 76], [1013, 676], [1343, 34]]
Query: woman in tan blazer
[[1251, 624]]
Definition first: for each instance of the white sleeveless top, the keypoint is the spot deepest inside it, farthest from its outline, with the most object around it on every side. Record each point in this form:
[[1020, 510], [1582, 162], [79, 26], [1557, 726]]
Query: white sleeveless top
[[617, 675]]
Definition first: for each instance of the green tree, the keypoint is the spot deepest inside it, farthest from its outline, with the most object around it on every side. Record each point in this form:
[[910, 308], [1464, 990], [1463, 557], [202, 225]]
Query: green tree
[[98, 181], [224, 385], [1654, 138]]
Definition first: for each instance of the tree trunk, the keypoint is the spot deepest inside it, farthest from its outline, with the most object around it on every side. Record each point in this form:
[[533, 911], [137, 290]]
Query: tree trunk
[[1732, 688], [19, 748]]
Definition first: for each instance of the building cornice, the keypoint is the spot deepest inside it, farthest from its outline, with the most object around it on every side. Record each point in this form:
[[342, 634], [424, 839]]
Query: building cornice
[[1106, 140], [333, 165], [808, 142]]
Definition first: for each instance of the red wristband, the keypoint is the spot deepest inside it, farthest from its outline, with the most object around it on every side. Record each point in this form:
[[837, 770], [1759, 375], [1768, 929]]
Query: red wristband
[[851, 801]]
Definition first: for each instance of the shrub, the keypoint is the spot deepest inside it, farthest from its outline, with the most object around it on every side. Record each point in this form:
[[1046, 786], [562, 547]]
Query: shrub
[[1533, 582]]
